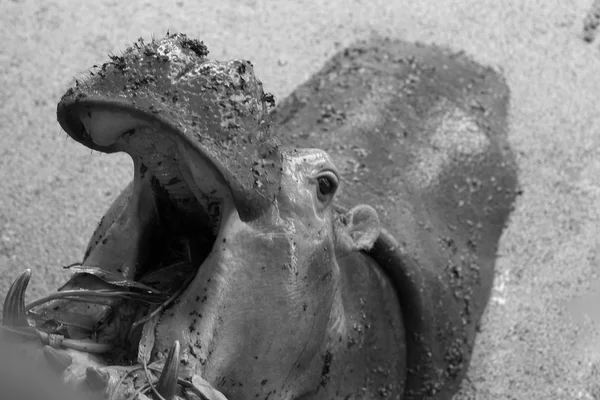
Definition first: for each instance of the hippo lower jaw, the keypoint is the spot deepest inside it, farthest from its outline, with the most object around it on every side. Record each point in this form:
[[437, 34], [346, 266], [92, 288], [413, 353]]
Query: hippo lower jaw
[[177, 204]]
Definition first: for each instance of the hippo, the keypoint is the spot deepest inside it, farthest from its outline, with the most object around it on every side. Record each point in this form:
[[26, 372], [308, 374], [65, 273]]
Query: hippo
[[340, 245]]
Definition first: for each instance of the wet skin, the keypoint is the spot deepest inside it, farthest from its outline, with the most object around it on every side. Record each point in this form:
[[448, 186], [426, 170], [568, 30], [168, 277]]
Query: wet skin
[[359, 271]]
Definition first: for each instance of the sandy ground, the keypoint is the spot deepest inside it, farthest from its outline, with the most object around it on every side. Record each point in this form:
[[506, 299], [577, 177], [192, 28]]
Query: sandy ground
[[540, 336]]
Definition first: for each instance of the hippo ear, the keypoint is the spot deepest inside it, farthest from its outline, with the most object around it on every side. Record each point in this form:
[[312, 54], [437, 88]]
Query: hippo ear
[[357, 229]]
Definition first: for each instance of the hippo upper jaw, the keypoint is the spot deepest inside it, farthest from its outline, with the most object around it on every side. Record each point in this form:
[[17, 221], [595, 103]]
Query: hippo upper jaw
[[192, 179], [217, 109], [112, 125]]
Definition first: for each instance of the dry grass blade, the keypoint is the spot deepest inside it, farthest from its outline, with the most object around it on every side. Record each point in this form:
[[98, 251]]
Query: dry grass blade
[[147, 340], [74, 294], [110, 277]]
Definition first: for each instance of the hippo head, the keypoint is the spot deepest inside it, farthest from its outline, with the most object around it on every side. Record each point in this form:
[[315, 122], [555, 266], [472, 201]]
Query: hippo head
[[237, 232]]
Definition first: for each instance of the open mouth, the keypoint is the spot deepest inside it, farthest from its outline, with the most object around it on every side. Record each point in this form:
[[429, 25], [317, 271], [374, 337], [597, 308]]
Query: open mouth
[[181, 198], [196, 132], [105, 308]]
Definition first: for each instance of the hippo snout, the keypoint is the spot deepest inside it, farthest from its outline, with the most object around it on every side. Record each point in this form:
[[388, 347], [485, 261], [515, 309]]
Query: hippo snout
[[215, 110]]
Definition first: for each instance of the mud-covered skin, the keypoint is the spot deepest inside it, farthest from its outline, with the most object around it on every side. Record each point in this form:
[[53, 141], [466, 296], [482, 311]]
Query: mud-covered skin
[[219, 107], [216, 108], [426, 147], [420, 134]]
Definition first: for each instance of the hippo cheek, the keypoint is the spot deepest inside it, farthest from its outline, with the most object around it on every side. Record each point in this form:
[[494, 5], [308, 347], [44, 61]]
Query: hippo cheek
[[258, 320]]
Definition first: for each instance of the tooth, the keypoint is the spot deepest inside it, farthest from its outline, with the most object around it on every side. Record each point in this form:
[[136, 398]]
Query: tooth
[[167, 383], [14, 304], [96, 378], [58, 359]]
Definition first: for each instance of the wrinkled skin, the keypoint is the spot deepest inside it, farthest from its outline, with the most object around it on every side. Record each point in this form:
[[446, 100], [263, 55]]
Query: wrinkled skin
[[352, 260]]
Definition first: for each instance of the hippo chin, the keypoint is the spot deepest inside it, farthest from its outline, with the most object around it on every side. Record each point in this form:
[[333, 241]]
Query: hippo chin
[[340, 246]]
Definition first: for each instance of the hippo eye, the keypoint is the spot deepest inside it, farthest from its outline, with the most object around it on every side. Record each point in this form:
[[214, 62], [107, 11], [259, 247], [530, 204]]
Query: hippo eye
[[327, 184]]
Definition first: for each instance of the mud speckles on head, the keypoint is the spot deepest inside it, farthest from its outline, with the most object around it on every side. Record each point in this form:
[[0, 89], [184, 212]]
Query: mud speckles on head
[[119, 63], [269, 99], [194, 45]]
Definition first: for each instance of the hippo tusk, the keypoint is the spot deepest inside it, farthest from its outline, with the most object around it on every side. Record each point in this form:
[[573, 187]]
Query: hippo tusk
[[168, 386], [167, 383], [58, 359], [14, 305]]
